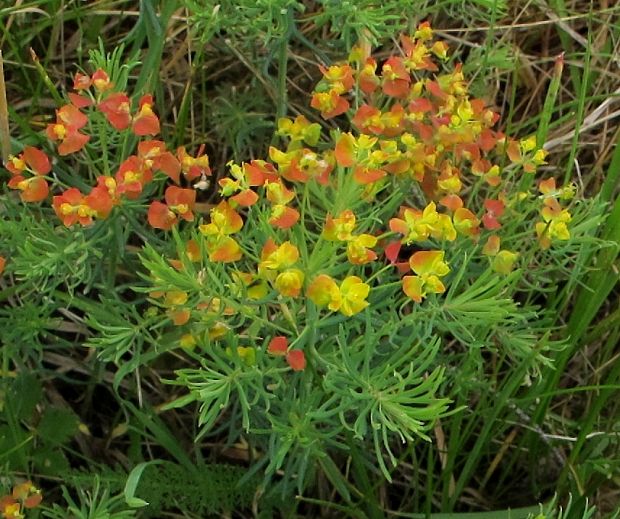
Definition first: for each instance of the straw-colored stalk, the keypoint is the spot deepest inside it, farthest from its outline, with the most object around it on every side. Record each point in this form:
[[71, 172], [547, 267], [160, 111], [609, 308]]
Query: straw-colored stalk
[[5, 139]]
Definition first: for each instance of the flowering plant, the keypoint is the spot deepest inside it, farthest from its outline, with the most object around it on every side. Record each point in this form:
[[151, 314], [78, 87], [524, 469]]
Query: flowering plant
[[326, 297], [24, 496]]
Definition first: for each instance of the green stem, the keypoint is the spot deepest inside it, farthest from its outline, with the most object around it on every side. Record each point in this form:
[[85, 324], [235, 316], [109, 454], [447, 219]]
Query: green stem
[[281, 101]]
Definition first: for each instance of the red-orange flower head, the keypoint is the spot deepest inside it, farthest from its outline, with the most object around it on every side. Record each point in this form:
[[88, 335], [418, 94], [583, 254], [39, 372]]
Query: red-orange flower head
[[29, 495], [79, 101], [179, 204], [278, 346], [154, 157], [69, 120], [116, 108], [276, 266], [466, 222], [417, 54], [81, 81], [131, 176], [194, 167], [339, 228], [395, 77], [145, 122], [369, 119], [495, 209], [101, 81], [367, 76], [72, 207], [108, 184], [329, 103], [100, 201], [308, 165], [27, 171], [296, 360], [10, 508]]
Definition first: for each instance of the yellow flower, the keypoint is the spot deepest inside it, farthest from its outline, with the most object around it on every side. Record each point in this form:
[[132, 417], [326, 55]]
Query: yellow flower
[[504, 261], [353, 293], [349, 298], [416, 225], [246, 354], [274, 257], [429, 267], [187, 341], [358, 249], [339, 228], [289, 282], [175, 298], [323, 291], [218, 330]]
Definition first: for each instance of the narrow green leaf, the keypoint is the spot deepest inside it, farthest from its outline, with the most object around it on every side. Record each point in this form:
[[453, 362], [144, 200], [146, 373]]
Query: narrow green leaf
[[132, 484]]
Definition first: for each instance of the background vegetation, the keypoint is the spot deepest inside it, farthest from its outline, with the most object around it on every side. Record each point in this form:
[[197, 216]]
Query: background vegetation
[[82, 411]]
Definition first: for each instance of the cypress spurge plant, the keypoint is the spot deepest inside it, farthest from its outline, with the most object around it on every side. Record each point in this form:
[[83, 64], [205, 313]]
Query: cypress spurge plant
[[347, 292]]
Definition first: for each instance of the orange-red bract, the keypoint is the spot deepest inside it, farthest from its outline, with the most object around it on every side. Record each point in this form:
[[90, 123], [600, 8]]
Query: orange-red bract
[[193, 167], [69, 120], [131, 177], [78, 100], [100, 201], [345, 150], [283, 216], [101, 80], [145, 122], [116, 108], [396, 79], [154, 156], [81, 81], [330, 104], [181, 201], [37, 160], [466, 222], [296, 360], [367, 77], [71, 117], [278, 346], [495, 209], [179, 316], [339, 76], [28, 494], [33, 189], [392, 250], [246, 198], [71, 208], [160, 216]]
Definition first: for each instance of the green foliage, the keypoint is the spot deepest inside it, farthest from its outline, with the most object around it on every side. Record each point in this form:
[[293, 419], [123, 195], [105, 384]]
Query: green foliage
[[390, 390], [29, 440], [211, 489], [266, 20], [46, 256], [242, 118], [116, 63], [458, 402], [244, 20], [93, 503]]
